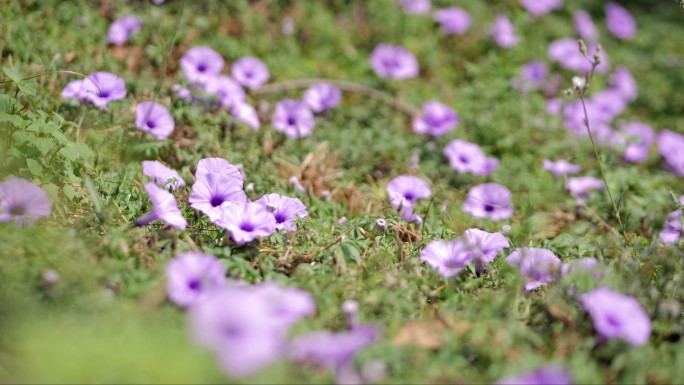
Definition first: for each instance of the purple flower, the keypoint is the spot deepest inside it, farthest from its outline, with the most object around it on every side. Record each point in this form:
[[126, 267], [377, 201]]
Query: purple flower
[[245, 113], [293, 118], [191, 275], [545, 375], [246, 221], [533, 77], [239, 328], [541, 7], [447, 258], [158, 2], [229, 92], [617, 315], [406, 190], [581, 186], [562, 167], [250, 72], [437, 119], [584, 26], [163, 176], [672, 229], [100, 88], [416, 7], [554, 106], [322, 96], [391, 61], [623, 81], [539, 267], [468, 157], [122, 29], [218, 166], [582, 265], [74, 90], [23, 202], [199, 64], [284, 209], [164, 208], [566, 52], [609, 104], [503, 32], [671, 147], [484, 246], [453, 20], [635, 138], [286, 305], [620, 22], [489, 200], [154, 118], [212, 191]]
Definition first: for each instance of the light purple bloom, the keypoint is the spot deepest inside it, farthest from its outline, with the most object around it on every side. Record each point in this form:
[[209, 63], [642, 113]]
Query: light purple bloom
[[468, 157], [554, 106], [297, 184], [484, 246], [566, 52], [635, 138], [581, 186], [164, 208], [584, 26], [672, 228], [190, 275], [437, 120], [539, 267], [245, 113], [623, 81], [287, 305], [250, 72], [617, 315], [212, 191], [322, 96], [453, 20], [163, 176], [609, 103], [246, 221], [293, 118], [489, 200], [671, 147], [447, 258], [158, 2], [620, 22], [581, 265], [545, 375], [154, 118], [229, 92], [122, 29], [391, 61], [406, 190], [74, 90], [562, 167], [218, 166], [504, 33], [533, 77], [541, 7], [416, 7], [100, 88], [23, 202], [200, 64], [285, 210]]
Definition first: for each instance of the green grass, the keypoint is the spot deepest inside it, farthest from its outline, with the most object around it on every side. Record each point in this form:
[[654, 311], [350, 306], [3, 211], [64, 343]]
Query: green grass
[[107, 319]]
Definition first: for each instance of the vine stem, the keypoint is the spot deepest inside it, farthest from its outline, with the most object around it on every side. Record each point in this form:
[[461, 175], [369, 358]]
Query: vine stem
[[344, 86]]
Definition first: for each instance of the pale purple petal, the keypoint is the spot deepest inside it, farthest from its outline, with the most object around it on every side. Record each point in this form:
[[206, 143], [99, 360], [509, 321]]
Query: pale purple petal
[[250, 72], [405, 190], [285, 210], [617, 315], [437, 119], [163, 176], [453, 20], [322, 96], [23, 202], [164, 208], [447, 258], [541, 7], [468, 157], [489, 200], [293, 118], [245, 113], [212, 191], [122, 29], [537, 266], [620, 22], [191, 275], [504, 33], [561, 167], [154, 118], [246, 221], [394, 62], [200, 64]]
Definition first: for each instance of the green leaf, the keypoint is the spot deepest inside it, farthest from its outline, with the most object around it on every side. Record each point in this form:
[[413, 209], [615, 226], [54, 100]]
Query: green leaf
[[52, 191], [69, 192], [16, 120], [76, 151], [35, 167], [21, 137], [12, 73], [44, 145]]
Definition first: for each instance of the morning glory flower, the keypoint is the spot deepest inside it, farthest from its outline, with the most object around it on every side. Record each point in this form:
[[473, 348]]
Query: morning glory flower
[[545, 375], [191, 275], [581, 186], [293, 118], [164, 208], [609, 102], [212, 191], [394, 62], [447, 258], [619, 21], [504, 33], [122, 29], [100, 88], [483, 246], [218, 166], [584, 26], [623, 81], [285, 210], [250, 72], [200, 64], [671, 147], [322, 96], [453, 20], [468, 157], [561, 168], [616, 315], [533, 77], [635, 138], [489, 200], [246, 114], [581, 265], [287, 305], [566, 52], [154, 118], [416, 7], [538, 267], [672, 228], [229, 92], [246, 221], [437, 119], [163, 176], [23, 202], [406, 190], [540, 7]]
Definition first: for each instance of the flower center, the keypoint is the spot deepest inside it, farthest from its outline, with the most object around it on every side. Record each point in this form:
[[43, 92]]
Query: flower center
[[216, 201], [463, 159], [248, 227], [151, 124], [612, 321], [280, 218], [202, 68], [195, 285], [489, 208], [17, 210], [409, 197], [291, 120], [104, 94]]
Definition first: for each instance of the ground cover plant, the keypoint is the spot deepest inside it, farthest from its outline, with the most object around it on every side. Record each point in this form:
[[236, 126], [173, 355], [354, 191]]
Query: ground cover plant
[[341, 191]]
